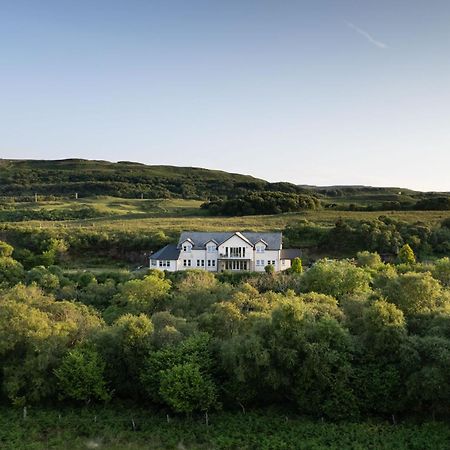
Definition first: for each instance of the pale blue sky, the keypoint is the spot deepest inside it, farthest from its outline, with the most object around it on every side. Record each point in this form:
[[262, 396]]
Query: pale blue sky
[[316, 92]]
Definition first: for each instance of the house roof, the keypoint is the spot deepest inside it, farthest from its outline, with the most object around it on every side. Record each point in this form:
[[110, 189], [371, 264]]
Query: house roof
[[169, 252], [290, 253], [199, 238]]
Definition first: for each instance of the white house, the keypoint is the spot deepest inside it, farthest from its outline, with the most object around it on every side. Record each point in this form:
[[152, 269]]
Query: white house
[[216, 252]]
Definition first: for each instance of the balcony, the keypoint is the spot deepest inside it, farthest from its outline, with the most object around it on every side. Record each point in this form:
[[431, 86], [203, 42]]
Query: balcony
[[230, 258]]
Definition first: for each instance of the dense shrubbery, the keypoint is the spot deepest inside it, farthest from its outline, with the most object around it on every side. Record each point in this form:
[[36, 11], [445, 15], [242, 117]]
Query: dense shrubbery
[[21, 215], [435, 203], [262, 203], [344, 339], [383, 235], [45, 246]]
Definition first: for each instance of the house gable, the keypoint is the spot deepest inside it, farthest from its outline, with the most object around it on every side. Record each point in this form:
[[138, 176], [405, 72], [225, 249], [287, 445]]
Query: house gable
[[240, 236]]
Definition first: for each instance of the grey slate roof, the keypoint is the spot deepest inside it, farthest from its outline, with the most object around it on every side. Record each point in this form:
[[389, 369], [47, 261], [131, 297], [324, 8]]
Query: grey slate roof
[[200, 238], [169, 252], [290, 253]]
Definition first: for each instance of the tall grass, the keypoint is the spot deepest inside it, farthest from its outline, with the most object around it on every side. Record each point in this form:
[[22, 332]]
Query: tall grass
[[117, 428]]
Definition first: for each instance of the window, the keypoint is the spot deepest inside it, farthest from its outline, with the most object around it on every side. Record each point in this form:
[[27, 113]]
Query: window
[[235, 265], [213, 262], [271, 262], [211, 248], [164, 263], [187, 248], [260, 262], [236, 252], [153, 262], [200, 262], [186, 262], [260, 249], [209, 263], [203, 262]]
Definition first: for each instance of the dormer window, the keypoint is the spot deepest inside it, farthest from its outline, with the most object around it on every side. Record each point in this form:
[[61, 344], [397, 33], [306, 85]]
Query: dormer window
[[211, 248], [187, 248], [260, 248]]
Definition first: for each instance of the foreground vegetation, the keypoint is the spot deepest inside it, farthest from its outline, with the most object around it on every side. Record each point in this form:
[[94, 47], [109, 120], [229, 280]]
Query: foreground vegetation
[[118, 428]]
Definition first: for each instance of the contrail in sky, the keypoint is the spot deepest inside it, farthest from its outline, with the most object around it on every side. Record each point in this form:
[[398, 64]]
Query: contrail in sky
[[364, 33]]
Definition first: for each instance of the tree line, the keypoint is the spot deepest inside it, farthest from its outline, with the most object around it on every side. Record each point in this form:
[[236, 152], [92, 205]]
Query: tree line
[[261, 203]]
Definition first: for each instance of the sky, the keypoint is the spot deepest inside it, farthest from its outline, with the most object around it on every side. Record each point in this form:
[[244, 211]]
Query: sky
[[319, 92]]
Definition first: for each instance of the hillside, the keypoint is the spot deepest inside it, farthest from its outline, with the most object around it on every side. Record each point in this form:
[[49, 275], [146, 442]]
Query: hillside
[[121, 179], [63, 178]]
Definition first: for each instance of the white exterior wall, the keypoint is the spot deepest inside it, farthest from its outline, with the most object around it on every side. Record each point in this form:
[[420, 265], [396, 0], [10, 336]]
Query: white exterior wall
[[267, 255], [171, 267], [197, 255]]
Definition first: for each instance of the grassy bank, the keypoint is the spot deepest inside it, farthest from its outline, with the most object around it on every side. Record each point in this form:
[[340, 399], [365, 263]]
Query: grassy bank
[[138, 429]]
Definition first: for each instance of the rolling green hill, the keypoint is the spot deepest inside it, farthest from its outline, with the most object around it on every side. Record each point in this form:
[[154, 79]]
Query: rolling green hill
[[23, 179], [121, 179]]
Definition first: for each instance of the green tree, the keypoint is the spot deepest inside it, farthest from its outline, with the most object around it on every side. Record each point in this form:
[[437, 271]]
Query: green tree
[[406, 255], [195, 292], [124, 346], [337, 278], [269, 269], [378, 376], [6, 250], [368, 259], [186, 389], [35, 331], [428, 385], [43, 278], [297, 266], [11, 271], [414, 292], [441, 271], [139, 296], [54, 253], [81, 375], [193, 350]]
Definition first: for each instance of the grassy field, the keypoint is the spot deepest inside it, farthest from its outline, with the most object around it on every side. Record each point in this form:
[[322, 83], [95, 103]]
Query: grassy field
[[114, 429], [177, 214], [113, 206]]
